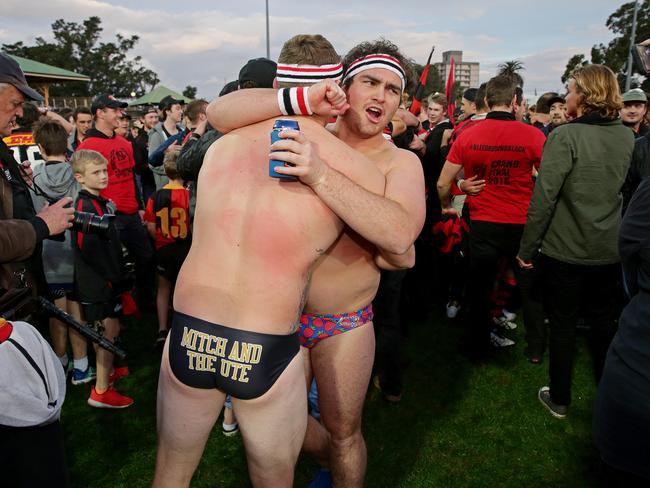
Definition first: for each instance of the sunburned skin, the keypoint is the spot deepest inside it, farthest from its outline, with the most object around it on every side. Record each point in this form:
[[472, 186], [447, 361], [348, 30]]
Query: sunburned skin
[[256, 239]]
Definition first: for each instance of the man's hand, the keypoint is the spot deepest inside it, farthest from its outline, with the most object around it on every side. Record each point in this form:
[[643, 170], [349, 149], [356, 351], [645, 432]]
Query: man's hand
[[27, 173], [472, 186], [57, 217], [524, 264], [449, 211], [327, 98], [173, 147], [296, 150], [417, 145]]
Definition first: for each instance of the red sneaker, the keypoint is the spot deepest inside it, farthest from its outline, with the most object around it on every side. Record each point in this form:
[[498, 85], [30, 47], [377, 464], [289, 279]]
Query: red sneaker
[[118, 373], [109, 399]]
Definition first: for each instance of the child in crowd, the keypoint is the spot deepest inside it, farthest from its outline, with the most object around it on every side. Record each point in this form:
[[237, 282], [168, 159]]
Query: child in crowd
[[99, 275], [168, 222], [52, 181]]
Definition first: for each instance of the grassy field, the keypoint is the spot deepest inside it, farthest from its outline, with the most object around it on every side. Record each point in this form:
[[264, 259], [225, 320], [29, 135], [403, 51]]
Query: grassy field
[[458, 425]]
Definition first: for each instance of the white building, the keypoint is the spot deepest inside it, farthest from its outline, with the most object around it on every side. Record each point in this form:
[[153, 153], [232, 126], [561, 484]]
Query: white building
[[466, 73]]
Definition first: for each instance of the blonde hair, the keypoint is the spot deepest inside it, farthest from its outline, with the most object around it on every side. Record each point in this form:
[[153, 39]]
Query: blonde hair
[[599, 89], [85, 157], [438, 98], [169, 165]]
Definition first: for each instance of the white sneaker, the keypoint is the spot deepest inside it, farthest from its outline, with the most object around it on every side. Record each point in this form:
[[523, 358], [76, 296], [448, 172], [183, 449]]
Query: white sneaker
[[497, 340], [504, 323], [510, 316], [452, 309]]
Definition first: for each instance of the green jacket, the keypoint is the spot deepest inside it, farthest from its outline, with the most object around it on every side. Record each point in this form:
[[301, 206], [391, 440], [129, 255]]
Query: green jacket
[[575, 212]]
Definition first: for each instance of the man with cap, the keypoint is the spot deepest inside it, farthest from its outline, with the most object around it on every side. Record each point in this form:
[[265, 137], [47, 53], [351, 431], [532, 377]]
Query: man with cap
[[556, 111], [21, 229], [256, 73], [122, 188], [171, 113], [635, 106]]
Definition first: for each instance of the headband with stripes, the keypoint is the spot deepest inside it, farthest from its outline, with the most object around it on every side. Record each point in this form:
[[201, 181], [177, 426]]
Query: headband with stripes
[[305, 73], [372, 61]]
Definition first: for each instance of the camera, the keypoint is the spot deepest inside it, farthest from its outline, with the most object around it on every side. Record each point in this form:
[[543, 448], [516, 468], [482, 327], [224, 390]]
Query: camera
[[641, 57], [89, 223]]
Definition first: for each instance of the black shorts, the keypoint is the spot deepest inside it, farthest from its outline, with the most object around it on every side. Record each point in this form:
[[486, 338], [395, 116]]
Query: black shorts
[[93, 312], [241, 363], [169, 258]]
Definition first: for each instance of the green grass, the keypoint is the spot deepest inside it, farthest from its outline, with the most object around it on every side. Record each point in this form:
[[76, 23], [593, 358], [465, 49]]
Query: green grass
[[458, 425]]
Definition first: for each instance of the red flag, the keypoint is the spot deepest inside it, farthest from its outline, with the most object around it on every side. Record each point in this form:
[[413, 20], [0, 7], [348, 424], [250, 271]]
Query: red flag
[[449, 89], [419, 92]]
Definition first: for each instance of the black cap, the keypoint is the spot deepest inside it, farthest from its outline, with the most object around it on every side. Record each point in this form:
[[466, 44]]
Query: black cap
[[543, 106], [555, 99], [261, 71], [106, 101], [11, 73], [229, 87], [168, 101], [150, 109]]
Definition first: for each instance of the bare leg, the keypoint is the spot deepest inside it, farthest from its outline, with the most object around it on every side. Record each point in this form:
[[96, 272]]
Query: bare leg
[[79, 344], [162, 301], [105, 358], [185, 418], [58, 330], [342, 365], [273, 427]]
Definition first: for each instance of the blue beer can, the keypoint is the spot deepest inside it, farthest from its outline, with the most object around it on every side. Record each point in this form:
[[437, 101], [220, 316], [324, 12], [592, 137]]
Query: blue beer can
[[278, 126]]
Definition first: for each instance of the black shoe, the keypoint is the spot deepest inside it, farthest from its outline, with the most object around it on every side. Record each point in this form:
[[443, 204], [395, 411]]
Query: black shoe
[[160, 340], [558, 411]]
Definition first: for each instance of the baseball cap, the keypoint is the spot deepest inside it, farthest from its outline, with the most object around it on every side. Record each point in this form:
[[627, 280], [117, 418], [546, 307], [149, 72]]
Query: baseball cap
[[168, 101], [555, 99], [261, 71], [149, 109], [106, 101], [635, 95], [543, 104], [11, 73]]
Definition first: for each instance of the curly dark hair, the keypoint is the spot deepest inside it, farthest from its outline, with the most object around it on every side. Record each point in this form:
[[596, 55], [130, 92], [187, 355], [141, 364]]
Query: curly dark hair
[[381, 46]]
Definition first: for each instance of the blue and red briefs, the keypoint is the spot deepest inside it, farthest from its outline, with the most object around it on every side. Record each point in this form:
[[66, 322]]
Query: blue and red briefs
[[316, 327]]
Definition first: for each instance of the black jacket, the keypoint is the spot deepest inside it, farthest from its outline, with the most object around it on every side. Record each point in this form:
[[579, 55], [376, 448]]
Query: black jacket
[[191, 157], [639, 169], [98, 264]]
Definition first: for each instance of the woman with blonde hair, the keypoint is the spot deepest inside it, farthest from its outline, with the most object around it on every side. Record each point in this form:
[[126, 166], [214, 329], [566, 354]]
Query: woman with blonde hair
[[573, 221]]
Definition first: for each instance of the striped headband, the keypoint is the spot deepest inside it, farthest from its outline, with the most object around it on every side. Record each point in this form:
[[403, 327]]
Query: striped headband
[[306, 73], [376, 61]]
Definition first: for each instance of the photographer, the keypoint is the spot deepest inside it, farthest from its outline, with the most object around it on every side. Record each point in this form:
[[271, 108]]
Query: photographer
[[32, 383]]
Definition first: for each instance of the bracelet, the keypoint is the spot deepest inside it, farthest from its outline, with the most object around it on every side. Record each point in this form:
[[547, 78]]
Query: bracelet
[[460, 182], [294, 101]]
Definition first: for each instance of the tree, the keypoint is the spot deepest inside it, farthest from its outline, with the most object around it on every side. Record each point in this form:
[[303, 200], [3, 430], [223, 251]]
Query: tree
[[575, 62], [76, 47], [511, 69], [615, 53], [190, 92]]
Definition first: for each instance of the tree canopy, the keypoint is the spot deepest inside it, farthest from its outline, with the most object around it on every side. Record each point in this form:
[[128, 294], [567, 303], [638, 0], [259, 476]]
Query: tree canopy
[[615, 53], [77, 47]]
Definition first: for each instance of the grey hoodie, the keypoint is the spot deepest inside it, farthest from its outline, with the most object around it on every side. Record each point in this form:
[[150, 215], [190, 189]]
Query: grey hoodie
[[56, 180]]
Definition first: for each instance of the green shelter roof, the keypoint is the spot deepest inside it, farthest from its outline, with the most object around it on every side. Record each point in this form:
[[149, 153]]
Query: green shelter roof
[[36, 69], [157, 94]]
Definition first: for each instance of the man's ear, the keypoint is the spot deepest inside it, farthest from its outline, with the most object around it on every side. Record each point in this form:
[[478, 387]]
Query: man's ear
[[275, 83]]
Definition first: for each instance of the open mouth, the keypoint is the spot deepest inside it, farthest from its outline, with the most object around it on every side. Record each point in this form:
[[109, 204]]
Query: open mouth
[[374, 114]]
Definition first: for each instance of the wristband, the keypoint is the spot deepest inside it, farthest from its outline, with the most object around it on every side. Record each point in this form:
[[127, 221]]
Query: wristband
[[460, 182], [294, 101]]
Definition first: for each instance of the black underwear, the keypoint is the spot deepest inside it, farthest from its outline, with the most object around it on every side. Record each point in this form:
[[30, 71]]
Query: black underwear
[[241, 363]]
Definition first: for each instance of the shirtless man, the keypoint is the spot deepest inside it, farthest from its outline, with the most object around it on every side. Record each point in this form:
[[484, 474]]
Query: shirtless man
[[336, 329], [239, 296]]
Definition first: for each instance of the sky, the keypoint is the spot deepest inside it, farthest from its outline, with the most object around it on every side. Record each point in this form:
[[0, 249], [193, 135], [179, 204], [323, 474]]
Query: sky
[[204, 43]]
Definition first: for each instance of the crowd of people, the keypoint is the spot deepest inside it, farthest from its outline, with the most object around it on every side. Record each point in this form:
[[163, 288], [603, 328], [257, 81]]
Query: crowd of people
[[278, 287]]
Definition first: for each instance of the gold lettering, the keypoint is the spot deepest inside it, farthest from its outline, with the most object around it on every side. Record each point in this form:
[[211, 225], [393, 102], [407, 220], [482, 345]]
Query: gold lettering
[[208, 348], [191, 355], [220, 349], [234, 352], [189, 338], [202, 336], [243, 378], [225, 368], [255, 354], [235, 368]]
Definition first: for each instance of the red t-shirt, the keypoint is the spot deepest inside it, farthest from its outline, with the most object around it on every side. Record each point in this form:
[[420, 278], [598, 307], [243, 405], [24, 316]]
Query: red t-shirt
[[119, 154], [503, 152], [169, 209]]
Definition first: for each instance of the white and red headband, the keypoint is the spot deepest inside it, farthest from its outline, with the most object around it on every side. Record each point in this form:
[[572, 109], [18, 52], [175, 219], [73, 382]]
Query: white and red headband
[[306, 73], [373, 61]]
